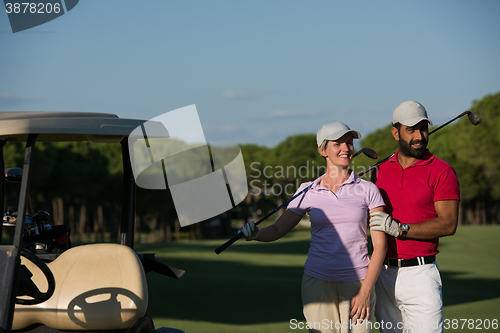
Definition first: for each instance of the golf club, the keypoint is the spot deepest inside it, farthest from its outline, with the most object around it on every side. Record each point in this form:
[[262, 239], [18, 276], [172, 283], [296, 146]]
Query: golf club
[[473, 118], [367, 151]]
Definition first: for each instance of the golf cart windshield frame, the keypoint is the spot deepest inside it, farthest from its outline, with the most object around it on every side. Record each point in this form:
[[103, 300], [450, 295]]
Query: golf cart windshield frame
[[31, 127]]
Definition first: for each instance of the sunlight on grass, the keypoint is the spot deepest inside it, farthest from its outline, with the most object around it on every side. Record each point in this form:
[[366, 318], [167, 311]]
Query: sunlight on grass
[[255, 287]]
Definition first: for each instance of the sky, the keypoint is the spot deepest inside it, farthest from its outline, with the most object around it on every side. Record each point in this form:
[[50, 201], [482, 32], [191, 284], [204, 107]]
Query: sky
[[258, 71]]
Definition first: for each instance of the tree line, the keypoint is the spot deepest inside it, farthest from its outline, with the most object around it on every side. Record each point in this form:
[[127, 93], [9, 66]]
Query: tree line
[[80, 183], [473, 152]]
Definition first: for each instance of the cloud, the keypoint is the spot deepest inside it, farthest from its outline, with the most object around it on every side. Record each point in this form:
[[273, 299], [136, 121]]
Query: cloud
[[8, 99], [237, 94]]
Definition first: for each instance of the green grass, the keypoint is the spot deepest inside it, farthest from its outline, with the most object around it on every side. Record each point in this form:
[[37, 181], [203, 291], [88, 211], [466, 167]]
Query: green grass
[[470, 269], [255, 287]]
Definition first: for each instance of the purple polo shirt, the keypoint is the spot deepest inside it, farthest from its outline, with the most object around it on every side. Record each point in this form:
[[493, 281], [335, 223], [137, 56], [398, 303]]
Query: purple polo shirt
[[338, 251]]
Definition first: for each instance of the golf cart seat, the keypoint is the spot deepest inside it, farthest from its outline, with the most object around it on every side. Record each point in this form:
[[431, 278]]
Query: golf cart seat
[[98, 287]]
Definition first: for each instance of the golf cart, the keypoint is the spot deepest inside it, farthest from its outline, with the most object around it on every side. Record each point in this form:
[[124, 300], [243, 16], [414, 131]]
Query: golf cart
[[53, 287]]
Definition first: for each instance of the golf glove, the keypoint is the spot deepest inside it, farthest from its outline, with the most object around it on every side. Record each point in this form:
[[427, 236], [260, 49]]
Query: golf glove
[[250, 231], [381, 221]]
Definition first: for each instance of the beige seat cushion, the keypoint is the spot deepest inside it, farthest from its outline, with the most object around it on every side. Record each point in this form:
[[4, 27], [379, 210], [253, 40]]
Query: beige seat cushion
[[98, 286]]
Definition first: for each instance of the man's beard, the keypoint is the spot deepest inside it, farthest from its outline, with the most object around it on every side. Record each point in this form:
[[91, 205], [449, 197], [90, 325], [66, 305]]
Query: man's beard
[[406, 148]]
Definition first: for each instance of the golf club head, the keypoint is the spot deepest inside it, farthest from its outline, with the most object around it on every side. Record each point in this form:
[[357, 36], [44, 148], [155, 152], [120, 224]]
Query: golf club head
[[474, 118], [367, 151], [370, 153], [14, 175], [41, 216]]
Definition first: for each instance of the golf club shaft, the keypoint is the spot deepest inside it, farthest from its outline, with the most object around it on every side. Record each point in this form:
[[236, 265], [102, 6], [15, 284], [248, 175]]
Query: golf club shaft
[[374, 166], [450, 121], [367, 151], [433, 131], [356, 154], [239, 235], [31, 205]]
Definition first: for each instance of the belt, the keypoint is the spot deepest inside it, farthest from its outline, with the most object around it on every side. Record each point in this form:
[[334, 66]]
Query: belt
[[395, 262]]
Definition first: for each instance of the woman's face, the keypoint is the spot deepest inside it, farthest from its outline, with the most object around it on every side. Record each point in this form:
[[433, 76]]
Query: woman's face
[[339, 152]]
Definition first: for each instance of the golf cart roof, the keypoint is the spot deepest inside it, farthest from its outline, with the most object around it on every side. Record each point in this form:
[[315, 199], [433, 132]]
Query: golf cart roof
[[65, 126]]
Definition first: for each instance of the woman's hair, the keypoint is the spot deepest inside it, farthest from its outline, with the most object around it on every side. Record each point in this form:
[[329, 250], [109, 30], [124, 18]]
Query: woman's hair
[[323, 146]]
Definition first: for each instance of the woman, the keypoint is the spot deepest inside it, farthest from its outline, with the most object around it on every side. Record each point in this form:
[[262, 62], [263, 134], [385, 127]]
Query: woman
[[339, 278]]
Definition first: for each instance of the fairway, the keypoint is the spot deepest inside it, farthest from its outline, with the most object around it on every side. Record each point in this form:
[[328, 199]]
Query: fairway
[[255, 287]]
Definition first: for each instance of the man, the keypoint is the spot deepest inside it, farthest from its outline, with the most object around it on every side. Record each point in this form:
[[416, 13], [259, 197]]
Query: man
[[421, 193]]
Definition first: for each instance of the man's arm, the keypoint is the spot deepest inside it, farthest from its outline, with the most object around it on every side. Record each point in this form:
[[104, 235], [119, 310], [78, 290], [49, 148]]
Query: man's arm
[[445, 224]]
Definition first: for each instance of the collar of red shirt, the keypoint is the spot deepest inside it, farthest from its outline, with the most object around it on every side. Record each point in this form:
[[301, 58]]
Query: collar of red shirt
[[426, 159]]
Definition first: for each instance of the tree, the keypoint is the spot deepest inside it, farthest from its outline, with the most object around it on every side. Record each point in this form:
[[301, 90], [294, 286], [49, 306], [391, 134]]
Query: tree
[[382, 141], [474, 154]]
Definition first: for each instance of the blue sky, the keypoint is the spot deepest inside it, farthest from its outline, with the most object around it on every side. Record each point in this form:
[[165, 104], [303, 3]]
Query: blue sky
[[258, 71]]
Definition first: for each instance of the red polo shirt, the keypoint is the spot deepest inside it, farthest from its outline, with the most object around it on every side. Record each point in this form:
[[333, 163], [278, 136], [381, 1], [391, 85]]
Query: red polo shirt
[[409, 196]]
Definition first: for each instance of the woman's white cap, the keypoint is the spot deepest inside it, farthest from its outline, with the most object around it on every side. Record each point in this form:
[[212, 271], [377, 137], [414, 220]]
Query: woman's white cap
[[410, 113], [333, 131]]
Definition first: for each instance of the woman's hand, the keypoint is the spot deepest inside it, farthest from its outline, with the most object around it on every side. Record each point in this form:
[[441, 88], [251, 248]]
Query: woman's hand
[[250, 231], [360, 306]]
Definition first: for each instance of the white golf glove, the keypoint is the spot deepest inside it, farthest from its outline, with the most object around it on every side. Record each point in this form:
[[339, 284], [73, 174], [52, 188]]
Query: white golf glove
[[382, 221], [250, 231]]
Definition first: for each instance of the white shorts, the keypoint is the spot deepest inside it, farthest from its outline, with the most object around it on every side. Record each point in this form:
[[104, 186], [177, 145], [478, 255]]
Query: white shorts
[[409, 299]]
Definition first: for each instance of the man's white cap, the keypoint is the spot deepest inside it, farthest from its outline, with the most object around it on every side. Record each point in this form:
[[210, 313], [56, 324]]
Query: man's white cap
[[410, 113], [333, 131]]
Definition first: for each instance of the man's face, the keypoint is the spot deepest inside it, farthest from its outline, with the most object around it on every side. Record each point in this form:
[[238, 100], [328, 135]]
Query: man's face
[[413, 140]]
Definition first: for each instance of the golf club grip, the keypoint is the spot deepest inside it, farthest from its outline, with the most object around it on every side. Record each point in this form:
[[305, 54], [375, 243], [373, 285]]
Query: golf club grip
[[239, 235], [228, 243]]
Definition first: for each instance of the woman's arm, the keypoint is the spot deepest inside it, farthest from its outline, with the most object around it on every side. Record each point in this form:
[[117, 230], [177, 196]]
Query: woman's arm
[[286, 222], [360, 304]]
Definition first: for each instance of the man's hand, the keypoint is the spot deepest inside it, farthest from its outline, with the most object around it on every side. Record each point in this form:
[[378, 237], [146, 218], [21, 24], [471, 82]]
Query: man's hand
[[382, 221], [250, 231]]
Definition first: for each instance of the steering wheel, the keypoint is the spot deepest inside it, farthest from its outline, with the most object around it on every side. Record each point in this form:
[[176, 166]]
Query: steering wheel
[[29, 288]]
